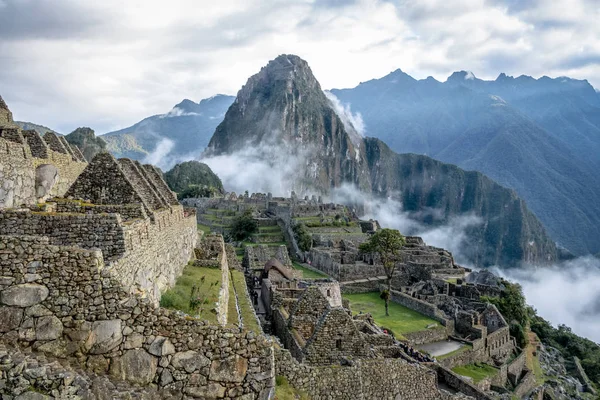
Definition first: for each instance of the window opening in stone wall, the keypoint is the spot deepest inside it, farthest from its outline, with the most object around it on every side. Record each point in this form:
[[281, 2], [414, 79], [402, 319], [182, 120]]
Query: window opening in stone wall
[[338, 344], [328, 293]]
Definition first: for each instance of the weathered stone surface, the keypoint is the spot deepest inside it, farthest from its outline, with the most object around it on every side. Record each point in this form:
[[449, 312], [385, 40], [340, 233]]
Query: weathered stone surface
[[32, 396], [59, 348], [24, 295], [10, 318], [134, 341], [98, 364], [189, 361], [136, 366], [105, 336], [46, 177], [209, 392], [48, 328], [161, 346], [231, 369]]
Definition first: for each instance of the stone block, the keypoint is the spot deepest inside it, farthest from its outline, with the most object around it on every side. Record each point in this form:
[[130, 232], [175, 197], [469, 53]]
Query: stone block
[[161, 346], [48, 328], [105, 336], [231, 369], [24, 295], [189, 361], [10, 318], [208, 392], [136, 366]]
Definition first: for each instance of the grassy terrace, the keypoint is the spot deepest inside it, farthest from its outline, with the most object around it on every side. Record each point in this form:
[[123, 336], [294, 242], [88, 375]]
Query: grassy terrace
[[246, 309], [284, 391], [477, 372], [208, 280], [308, 273], [204, 228], [401, 319], [455, 352]]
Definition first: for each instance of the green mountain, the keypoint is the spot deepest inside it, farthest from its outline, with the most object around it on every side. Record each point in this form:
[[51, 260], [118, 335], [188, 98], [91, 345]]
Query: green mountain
[[282, 110], [540, 137], [190, 177], [86, 140]]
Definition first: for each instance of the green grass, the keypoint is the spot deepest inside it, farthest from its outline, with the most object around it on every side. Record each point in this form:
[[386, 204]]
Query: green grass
[[401, 319], [308, 273], [232, 314], [284, 391], [245, 244], [204, 228], [476, 371], [246, 309], [178, 297], [464, 348], [451, 280], [265, 229]]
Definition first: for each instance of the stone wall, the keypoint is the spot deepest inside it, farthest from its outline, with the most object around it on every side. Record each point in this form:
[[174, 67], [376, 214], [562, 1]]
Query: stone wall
[[64, 301], [525, 386], [127, 212], [420, 306], [101, 231], [327, 262], [515, 368], [147, 255], [457, 383], [426, 336], [366, 379], [18, 169], [156, 251]]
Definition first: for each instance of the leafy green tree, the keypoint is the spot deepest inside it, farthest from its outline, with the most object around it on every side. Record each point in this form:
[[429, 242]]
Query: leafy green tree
[[303, 237], [388, 243], [244, 226], [511, 303]]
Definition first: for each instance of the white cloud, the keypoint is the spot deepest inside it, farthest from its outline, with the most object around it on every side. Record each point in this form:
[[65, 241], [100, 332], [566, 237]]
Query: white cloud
[[566, 293], [109, 64], [352, 122]]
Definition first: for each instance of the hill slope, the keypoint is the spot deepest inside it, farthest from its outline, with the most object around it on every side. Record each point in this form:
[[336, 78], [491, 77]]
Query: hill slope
[[539, 137], [188, 127]]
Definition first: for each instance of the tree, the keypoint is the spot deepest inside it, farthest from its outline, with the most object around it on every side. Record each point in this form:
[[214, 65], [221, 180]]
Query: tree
[[244, 226], [388, 243], [303, 237]]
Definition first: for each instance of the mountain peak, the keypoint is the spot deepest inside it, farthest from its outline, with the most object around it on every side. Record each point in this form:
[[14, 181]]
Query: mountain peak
[[460, 76]]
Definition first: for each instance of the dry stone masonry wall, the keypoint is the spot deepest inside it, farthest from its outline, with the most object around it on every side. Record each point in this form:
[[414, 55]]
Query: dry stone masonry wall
[[63, 300]]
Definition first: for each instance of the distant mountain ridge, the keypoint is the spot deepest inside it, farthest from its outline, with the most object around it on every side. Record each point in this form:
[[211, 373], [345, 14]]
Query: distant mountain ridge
[[188, 126], [282, 109], [540, 137]]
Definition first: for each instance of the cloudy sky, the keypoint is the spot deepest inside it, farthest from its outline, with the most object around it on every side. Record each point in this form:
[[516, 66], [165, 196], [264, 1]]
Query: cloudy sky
[[69, 63]]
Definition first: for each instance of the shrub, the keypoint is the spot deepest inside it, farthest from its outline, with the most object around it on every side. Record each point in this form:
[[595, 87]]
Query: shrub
[[244, 226]]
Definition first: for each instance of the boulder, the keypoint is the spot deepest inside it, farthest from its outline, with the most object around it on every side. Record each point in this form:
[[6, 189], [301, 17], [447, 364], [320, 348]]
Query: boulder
[[45, 178], [136, 366], [48, 328], [231, 369], [10, 318], [189, 361], [104, 336], [24, 295], [161, 346]]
